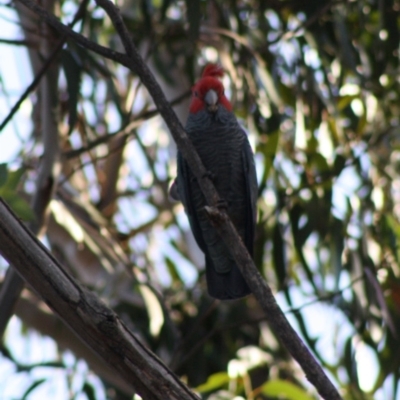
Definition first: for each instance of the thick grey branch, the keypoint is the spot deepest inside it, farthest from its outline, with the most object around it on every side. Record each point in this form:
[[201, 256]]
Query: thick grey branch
[[98, 326]]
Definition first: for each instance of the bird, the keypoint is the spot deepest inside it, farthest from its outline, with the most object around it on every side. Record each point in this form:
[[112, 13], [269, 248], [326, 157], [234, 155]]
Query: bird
[[225, 151]]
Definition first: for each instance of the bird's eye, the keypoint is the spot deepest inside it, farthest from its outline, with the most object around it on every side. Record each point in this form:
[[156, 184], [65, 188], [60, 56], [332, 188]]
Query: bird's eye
[[196, 93]]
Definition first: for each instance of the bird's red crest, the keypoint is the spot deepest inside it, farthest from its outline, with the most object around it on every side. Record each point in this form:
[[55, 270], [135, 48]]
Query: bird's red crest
[[214, 70], [209, 80]]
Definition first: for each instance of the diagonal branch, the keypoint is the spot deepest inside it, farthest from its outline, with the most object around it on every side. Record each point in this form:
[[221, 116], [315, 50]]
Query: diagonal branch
[[95, 324], [262, 292]]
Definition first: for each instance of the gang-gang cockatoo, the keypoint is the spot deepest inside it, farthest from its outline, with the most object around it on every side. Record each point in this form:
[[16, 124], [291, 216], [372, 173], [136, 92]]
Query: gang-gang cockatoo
[[227, 156]]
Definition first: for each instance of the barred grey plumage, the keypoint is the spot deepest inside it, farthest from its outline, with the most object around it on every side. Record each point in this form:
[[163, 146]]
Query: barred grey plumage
[[224, 148]]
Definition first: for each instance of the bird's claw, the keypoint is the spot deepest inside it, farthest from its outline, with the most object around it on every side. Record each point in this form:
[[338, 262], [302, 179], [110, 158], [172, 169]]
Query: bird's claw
[[222, 204], [209, 175]]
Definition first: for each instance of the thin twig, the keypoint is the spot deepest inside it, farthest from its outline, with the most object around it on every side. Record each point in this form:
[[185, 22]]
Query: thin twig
[[16, 42], [33, 85]]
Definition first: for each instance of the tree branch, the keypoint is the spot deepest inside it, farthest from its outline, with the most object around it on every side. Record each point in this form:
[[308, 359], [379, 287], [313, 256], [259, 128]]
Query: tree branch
[[262, 292], [16, 42], [98, 326]]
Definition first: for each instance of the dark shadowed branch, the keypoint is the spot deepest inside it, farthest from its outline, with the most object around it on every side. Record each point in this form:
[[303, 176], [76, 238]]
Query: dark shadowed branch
[[262, 292]]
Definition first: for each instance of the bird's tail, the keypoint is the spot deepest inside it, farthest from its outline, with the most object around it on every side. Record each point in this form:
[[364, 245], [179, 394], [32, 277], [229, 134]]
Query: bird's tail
[[227, 286]]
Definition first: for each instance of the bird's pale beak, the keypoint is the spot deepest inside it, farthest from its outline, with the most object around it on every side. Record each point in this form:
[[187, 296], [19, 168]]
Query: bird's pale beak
[[211, 99]]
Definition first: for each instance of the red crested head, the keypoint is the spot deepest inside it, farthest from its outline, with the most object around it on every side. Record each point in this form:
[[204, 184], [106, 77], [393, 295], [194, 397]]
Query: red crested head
[[213, 70], [208, 92]]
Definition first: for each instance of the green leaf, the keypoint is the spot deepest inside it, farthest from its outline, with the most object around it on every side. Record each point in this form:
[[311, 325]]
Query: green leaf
[[8, 192], [73, 70], [390, 229], [32, 388], [172, 270], [285, 390], [214, 381], [300, 235], [88, 389], [344, 101], [279, 255], [13, 178], [3, 173], [30, 367], [269, 149], [194, 17], [349, 360], [336, 248], [339, 164], [19, 205]]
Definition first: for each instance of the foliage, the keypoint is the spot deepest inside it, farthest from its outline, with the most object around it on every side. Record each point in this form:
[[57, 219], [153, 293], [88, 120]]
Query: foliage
[[316, 85]]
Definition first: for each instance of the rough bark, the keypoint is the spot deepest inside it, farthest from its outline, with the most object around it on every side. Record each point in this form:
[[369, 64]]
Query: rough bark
[[97, 325]]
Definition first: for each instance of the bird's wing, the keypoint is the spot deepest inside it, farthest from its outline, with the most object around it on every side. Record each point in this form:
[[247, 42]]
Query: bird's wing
[[251, 195], [186, 181]]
